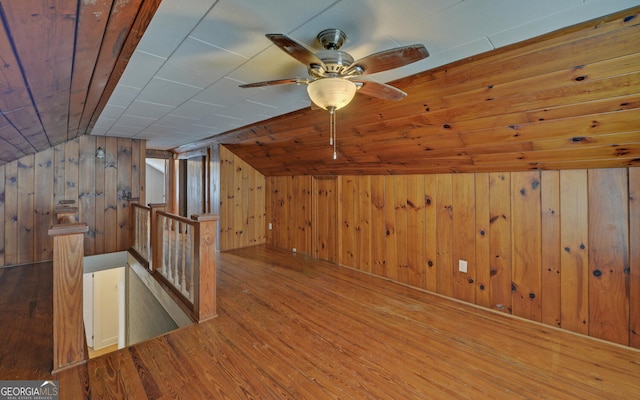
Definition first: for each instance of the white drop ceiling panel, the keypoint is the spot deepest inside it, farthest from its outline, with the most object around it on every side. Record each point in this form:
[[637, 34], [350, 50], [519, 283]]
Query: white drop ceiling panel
[[125, 130], [134, 120], [171, 93], [229, 87], [111, 112], [148, 109], [140, 69], [197, 109], [199, 64], [123, 96], [171, 23]]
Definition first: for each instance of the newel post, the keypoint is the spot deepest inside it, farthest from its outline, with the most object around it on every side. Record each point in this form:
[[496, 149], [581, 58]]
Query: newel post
[[69, 342], [205, 253], [155, 235]]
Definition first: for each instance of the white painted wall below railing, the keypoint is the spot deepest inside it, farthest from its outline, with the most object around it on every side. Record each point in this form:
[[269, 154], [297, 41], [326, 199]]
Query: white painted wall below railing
[[169, 305]]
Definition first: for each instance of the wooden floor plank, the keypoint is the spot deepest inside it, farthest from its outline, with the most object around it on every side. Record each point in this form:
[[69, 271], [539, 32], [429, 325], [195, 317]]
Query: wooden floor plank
[[26, 347], [289, 327]]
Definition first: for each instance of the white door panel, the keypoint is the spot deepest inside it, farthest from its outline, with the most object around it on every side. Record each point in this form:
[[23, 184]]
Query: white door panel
[[106, 307]]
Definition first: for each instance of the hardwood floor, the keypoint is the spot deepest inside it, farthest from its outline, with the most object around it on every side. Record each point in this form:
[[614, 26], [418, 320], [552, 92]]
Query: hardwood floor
[[26, 324], [289, 327]]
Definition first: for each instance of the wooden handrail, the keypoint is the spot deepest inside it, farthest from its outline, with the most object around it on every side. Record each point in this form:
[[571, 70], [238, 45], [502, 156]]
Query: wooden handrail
[[69, 341], [180, 218]]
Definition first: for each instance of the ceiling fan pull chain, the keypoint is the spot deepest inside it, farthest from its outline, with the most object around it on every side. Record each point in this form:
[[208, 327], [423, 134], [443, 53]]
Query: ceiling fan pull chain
[[332, 129]]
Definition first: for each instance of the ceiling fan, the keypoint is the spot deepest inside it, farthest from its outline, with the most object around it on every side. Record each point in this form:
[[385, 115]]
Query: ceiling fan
[[334, 76]]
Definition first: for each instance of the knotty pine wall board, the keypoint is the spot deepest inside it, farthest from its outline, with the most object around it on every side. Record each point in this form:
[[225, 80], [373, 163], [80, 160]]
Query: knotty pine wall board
[[324, 221], [71, 155], [124, 193], [608, 254], [87, 190], [226, 194], [482, 243], [110, 192], [390, 259], [195, 192], [99, 220], [444, 235], [634, 256], [33, 185], [431, 215], [464, 216], [398, 220], [347, 221], [11, 213], [550, 225], [242, 204], [574, 230], [238, 211], [378, 251], [526, 244], [416, 214], [500, 240], [44, 205], [26, 207]]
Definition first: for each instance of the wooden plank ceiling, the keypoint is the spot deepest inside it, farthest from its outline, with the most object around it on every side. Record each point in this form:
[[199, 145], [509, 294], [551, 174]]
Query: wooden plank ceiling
[[61, 60], [570, 99]]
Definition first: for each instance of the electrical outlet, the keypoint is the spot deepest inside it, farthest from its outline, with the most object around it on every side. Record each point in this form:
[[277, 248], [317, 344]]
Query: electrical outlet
[[294, 249], [462, 266], [270, 226]]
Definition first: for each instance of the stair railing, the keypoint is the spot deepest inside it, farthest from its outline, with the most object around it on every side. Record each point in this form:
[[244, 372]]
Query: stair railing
[[180, 253]]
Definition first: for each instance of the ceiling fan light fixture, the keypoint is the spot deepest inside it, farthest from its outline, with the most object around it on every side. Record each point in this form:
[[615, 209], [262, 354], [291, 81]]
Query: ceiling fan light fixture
[[332, 93], [335, 76]]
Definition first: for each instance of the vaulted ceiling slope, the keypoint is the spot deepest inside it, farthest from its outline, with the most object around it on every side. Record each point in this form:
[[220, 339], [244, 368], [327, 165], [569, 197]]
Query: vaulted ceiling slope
[[61, 60], [569, 99]]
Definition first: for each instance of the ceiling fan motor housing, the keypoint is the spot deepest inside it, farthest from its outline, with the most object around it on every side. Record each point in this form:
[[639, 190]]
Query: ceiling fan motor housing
[[335, 61]]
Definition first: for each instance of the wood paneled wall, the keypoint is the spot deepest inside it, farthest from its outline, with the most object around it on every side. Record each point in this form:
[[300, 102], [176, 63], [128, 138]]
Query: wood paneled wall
[[242, 202], [32, 186], [289, 212], [557, 247]]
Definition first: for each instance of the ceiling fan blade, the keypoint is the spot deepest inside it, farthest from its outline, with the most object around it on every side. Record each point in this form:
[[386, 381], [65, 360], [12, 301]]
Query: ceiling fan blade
[[389, 59], [295, 49], [380, 90], [297, 81]]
